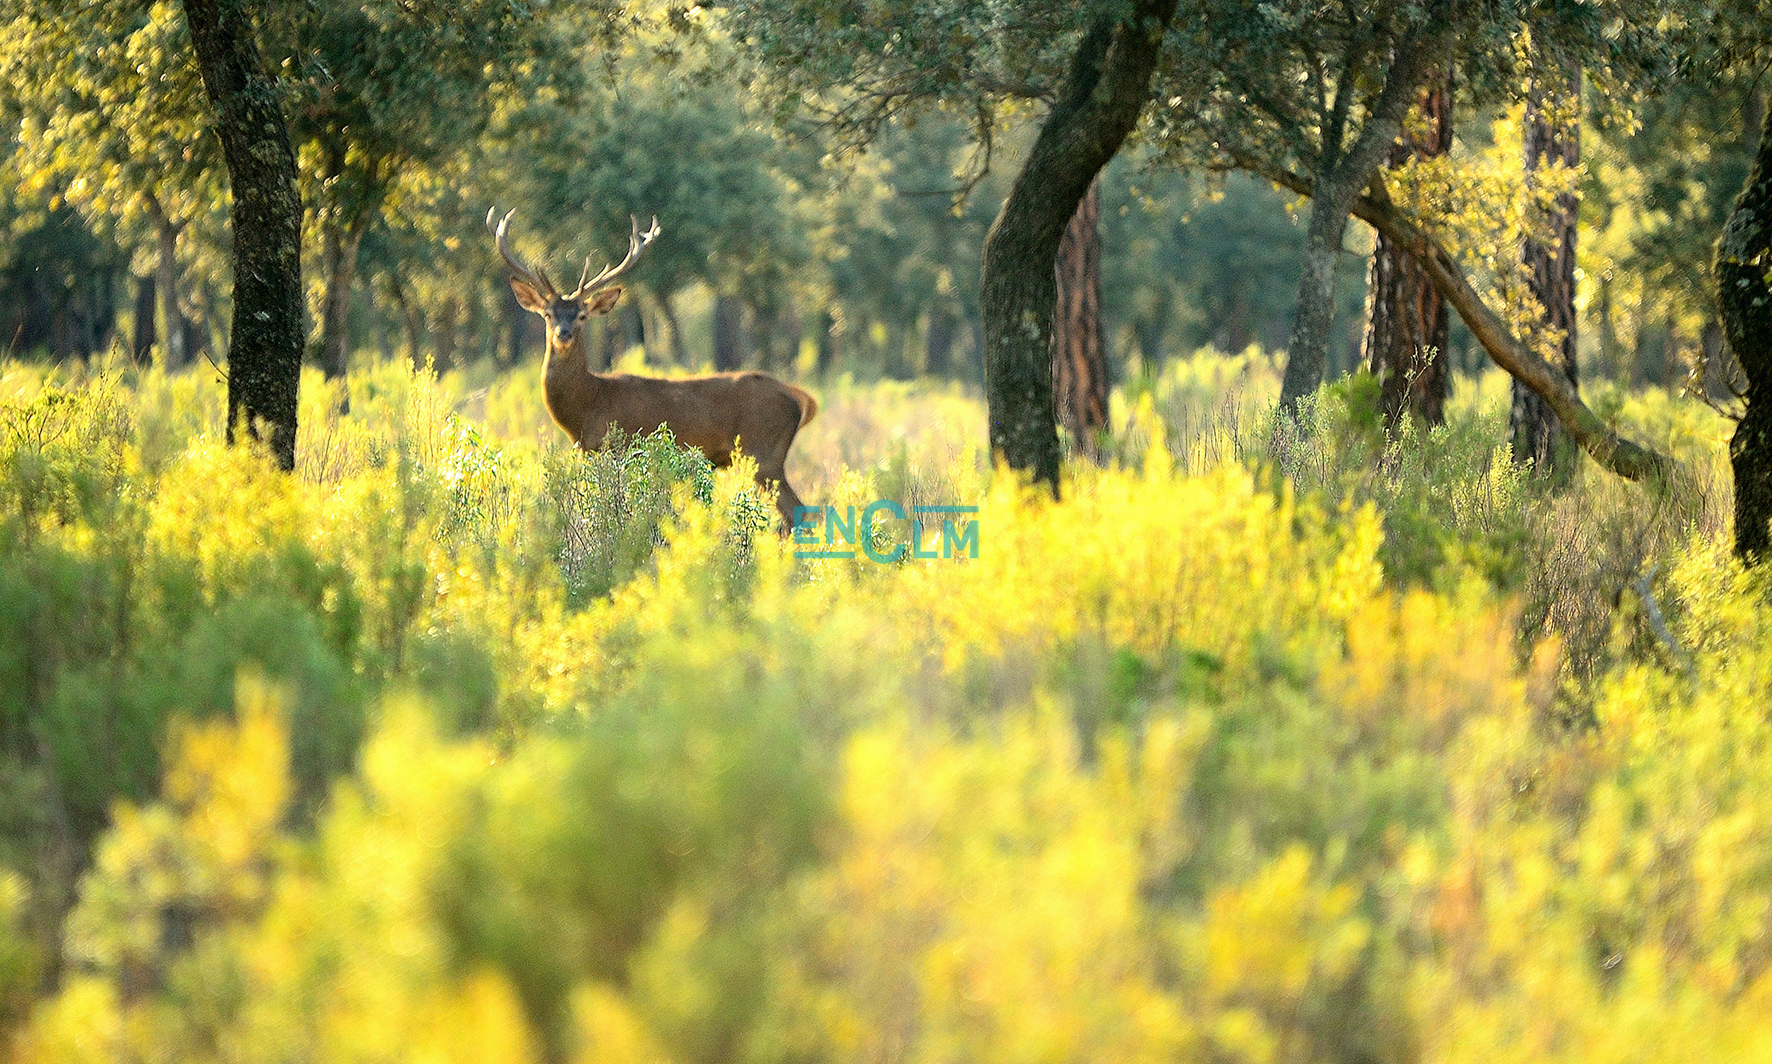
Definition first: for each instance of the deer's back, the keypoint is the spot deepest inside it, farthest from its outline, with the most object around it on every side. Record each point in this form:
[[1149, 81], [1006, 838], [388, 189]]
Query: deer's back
[[711, 412]]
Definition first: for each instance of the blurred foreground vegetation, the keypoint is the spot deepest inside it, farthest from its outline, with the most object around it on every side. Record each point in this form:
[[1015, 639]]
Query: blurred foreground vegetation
[[458, 745]]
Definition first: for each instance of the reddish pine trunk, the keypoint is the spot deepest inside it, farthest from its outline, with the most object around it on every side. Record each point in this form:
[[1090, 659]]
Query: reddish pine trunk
[[1536, 435], [1079, 358], [1407, 325]]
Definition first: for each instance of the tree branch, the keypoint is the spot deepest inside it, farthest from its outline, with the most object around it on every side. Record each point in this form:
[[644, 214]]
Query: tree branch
[[1621, 456]]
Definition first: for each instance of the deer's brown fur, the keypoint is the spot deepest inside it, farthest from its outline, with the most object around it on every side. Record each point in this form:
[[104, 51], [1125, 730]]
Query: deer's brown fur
[[717, 414]]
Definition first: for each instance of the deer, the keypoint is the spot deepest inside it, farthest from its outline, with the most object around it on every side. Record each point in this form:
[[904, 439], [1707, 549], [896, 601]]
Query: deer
[[714, 413]]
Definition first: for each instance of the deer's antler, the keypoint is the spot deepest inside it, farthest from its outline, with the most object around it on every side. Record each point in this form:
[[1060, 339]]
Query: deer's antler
[[637, 243], [535, 278]]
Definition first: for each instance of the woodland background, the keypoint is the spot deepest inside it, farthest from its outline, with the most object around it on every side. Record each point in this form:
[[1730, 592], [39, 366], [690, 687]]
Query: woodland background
[[1364, 722]]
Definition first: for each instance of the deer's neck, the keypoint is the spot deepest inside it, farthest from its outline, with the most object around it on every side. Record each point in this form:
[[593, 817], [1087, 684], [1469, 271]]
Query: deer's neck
[[568, 385]]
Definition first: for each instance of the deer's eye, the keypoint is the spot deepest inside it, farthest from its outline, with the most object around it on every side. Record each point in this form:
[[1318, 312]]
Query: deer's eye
[[583, 313]]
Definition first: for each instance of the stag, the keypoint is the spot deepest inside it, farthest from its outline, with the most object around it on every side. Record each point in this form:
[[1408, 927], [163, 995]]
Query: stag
[[714, 413]]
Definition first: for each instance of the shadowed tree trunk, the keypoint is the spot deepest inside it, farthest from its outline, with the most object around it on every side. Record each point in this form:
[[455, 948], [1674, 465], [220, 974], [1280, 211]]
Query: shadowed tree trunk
[[1407, 326], [938, 341], [1744, 289], [827, 342], [265, 348], [173, 354], [728, 334], [1079, 357], [338, 262], [141, 341], [1098, 106], [444, 337], [1551, 135]]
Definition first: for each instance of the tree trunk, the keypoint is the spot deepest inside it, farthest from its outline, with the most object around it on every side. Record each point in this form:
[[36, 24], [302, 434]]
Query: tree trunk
[[443, 337], [728, 334], [1100, 103], [1307, 346], [668, 311], [1551, 136], [264, 364], [938, 341], [141, 341], [827, 343], [1338, 181], [1407, 326], [516, 322], [339, 244], [633, 325], [1079, 357], [1623, 457], [172, 327], [1744, 289]]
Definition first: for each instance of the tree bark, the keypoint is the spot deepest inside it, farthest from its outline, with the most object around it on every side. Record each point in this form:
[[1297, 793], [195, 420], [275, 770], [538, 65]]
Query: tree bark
[[1339, 178], [1100, 103], [938, 341], [1079, 355], [443, 340], [1621, 456], [339, 244], [1407, 326], [172, 329], [265, 348], [668, 311], [1534, 431], [141, 342], [1744, 298], [728, 334]]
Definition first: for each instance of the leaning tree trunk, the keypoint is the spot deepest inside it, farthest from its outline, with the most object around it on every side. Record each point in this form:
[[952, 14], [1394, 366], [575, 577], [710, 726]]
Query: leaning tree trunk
[[1102, 98], [1744, 294], [1407, 325], [264, 351], [1079, 357], [1551, 136]]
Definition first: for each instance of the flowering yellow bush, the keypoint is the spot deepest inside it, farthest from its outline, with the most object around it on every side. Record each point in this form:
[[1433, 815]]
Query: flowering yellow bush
[[419, 755]]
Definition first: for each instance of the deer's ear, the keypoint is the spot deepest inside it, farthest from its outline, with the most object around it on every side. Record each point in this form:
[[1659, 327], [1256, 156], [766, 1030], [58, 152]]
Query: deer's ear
[[527, 297], [602, 301]]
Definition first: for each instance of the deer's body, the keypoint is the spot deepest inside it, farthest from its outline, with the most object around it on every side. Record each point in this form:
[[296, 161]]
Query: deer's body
[[716, 414]]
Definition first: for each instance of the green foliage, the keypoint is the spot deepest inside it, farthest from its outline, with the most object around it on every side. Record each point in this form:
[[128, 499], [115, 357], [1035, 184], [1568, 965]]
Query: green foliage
[[457, 746]]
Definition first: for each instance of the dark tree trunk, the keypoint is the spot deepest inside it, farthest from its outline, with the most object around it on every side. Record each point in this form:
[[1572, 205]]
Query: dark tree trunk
[[1338, 179], [1407, 326], [728, 334], [142, 340], [1744, 287], [172, 327], [339, 244], [516, 325], [667, 310], [938, 341], [1079, 356], [633, 325], [611, 345], [264, 364], [827, 343], [444, 336], [1100, 103], [1537, 437]]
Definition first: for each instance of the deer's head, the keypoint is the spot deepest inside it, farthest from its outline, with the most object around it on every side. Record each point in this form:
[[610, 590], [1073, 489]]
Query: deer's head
[[565, 315]]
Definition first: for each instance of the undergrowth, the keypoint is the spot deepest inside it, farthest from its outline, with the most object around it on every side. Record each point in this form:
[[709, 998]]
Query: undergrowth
[[1258, 746]]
